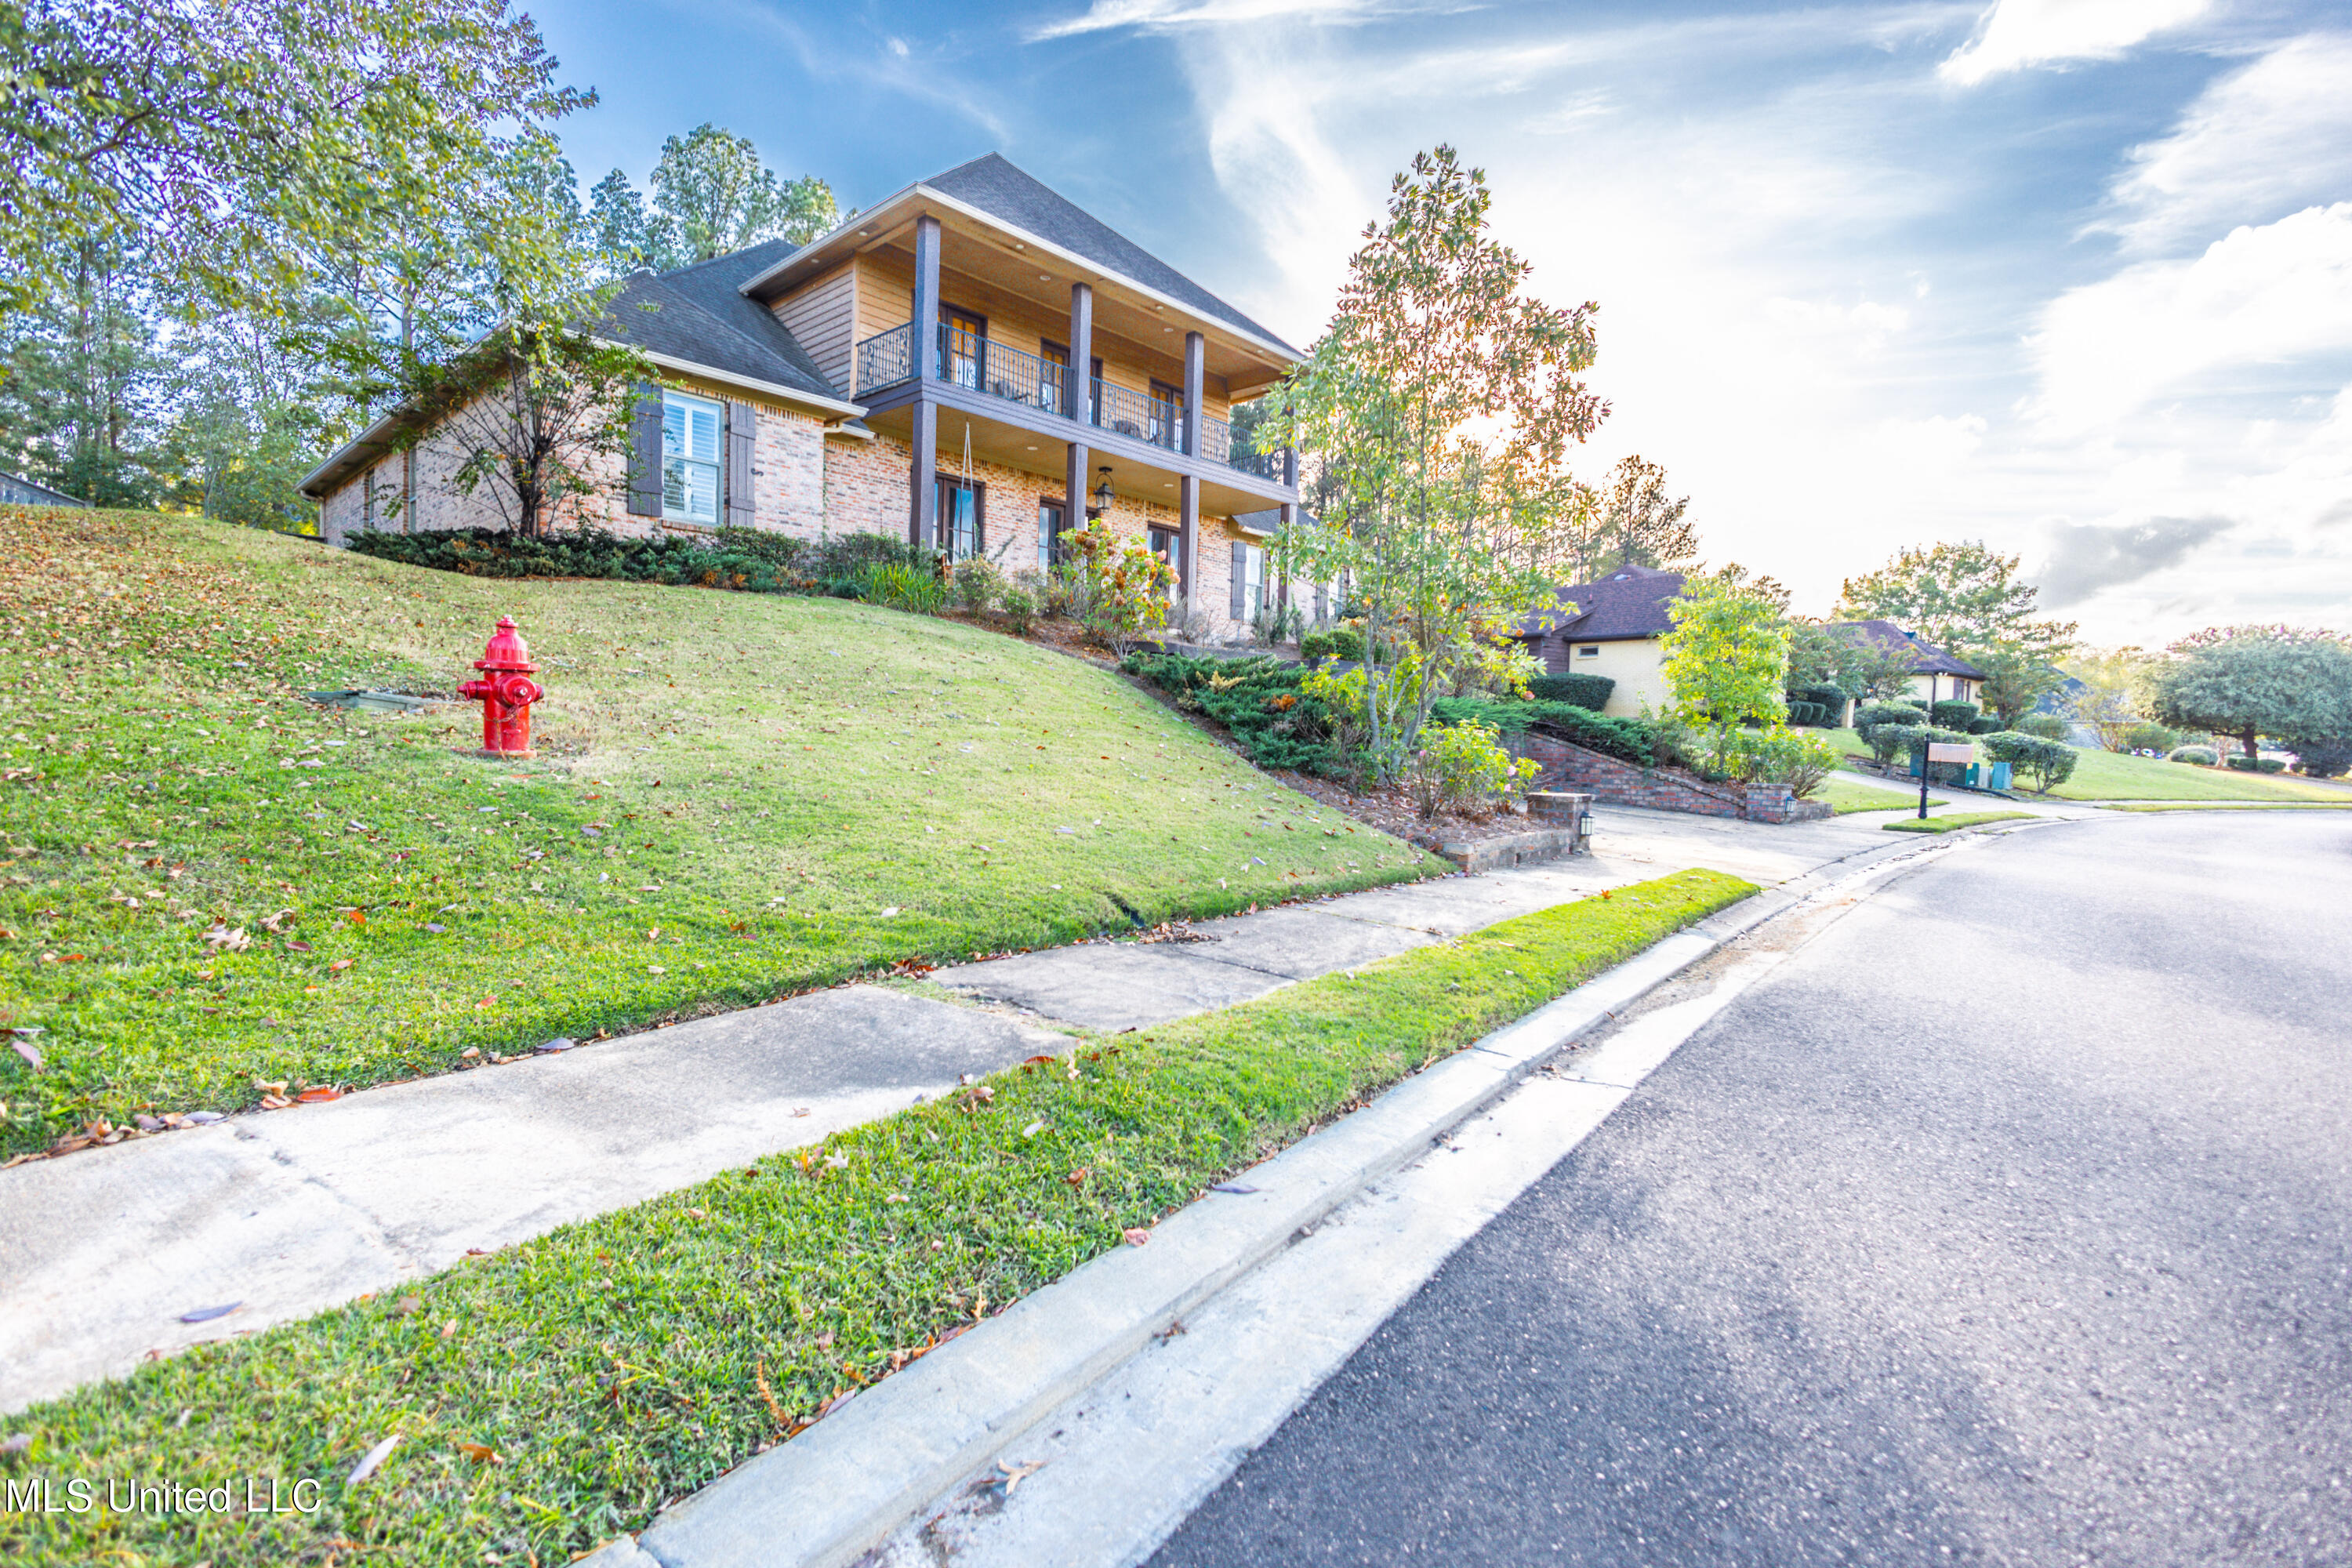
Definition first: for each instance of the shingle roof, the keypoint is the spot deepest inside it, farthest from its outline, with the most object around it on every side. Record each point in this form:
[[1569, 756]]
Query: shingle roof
[[695, 314], [1929, 658], [1630, 602], [997, 188]]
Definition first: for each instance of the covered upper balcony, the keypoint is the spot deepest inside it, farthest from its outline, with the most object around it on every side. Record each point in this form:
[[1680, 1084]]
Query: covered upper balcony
[[983, 298], [1040, 383]]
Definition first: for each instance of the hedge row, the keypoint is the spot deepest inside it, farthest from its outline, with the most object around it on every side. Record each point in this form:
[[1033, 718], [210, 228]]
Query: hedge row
[[1627, 740], [745, 560], [1587, 692]]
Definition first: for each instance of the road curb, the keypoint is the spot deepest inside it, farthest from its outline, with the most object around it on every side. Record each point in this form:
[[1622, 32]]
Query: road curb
[[832, 1493]]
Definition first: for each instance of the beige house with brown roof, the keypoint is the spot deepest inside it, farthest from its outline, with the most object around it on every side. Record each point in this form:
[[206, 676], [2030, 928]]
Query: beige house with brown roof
[[973, 363]]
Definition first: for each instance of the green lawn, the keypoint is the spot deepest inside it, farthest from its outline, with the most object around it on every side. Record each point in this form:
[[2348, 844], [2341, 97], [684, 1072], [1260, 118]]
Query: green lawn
[[2108, 775], [738, 797], [618, 1363], [1845, 797]]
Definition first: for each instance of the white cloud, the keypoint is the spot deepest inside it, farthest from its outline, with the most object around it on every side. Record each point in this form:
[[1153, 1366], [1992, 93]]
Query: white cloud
[[2263, 141], [2260, 296], [2016, 34], [1165, 15]]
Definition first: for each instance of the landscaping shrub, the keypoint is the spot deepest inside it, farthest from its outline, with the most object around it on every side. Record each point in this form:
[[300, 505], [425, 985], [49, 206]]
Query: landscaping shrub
[[1779, 755], [1955, 715], [2199, 756], [1020, 609], [2246, 765], [1627, 740], [2323, 759], [1333, 642], [1871, 715], [894, 585], [1986, 724], [979, 584], [1258, 701], [745, 560], [1831, 700], [2149, 738], [1463, 767], [2047, 726], [1588, 692], [2051, 762], [1805, 715]]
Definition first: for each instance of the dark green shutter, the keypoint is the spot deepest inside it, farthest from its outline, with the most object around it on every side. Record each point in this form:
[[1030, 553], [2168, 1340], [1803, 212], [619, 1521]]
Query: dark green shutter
[[645, 454], [742, 438]]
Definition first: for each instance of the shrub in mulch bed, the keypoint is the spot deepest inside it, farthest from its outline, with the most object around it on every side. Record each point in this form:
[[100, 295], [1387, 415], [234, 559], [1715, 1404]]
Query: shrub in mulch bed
[[745, 560]]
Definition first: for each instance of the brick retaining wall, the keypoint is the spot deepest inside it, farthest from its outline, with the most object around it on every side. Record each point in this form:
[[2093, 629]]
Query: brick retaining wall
[[1571, 766]]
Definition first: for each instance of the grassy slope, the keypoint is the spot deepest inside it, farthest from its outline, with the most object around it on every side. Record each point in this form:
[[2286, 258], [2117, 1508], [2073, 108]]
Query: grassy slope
[[2107, 775], [618, 1363], [734, 793]]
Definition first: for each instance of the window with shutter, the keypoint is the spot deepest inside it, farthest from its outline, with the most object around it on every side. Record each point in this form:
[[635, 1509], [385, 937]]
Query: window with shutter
[[1240, 574], [691, 459]]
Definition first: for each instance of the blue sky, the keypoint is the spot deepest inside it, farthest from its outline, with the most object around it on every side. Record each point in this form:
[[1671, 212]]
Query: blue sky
[[2074, 276]]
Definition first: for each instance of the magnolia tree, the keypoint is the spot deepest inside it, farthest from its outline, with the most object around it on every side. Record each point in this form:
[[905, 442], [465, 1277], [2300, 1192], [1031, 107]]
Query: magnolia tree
[[1442, 405]]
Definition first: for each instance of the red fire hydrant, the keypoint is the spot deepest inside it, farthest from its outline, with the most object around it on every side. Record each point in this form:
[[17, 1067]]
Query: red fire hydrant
[[507, 692]]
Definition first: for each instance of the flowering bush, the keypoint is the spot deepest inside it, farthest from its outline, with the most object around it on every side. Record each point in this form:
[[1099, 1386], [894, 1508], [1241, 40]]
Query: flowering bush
[[979, 584], [1124, 586], [1463, 767]]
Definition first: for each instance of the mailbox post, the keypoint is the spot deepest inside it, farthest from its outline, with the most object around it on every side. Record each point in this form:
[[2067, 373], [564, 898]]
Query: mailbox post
[[1933, 751]]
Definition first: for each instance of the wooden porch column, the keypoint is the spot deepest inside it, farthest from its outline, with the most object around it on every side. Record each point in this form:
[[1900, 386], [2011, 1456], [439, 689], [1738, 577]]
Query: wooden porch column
[[1074, 486], [1188, 534], [1195, 374], [922, 490], [1082, 359]]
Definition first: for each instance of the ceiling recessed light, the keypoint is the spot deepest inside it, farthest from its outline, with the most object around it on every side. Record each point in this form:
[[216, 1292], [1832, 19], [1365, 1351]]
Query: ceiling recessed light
[[864, 232], [1033, 447], [1018, 245], [1167, 329], [1168, 485], [1044, 277]]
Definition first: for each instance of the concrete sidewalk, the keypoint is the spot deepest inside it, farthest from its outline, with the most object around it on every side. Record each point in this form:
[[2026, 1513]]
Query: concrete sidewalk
[[286, 1213]]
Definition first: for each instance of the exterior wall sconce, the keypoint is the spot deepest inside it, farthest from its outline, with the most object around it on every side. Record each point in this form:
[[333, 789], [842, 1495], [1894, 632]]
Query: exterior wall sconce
[[1102, 489]]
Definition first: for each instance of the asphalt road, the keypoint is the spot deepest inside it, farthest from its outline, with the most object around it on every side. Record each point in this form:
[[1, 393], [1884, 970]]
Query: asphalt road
[[2010, 1221]]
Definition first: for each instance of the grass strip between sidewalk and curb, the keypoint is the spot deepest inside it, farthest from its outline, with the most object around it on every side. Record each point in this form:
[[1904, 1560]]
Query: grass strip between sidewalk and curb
[[1962, 819], [2231, 805], [557, 1394]]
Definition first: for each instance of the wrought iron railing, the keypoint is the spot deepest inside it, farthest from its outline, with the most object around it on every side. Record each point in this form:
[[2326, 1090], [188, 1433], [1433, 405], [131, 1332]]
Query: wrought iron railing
[[886, 359], [1218, 446], [1158, 420], [1000, 369]]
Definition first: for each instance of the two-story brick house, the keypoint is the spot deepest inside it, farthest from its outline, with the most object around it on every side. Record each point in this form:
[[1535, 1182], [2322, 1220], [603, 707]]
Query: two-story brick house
[[973, 363]]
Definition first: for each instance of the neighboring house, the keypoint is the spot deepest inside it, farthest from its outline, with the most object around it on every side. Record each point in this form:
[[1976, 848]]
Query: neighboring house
[[1611, 627], [1935, 676], [973, 363], [18, 491]]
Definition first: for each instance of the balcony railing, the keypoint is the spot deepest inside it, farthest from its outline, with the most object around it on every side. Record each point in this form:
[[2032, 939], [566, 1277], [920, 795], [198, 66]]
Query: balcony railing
[[886, 359], [1217, 446], [1000, 369]]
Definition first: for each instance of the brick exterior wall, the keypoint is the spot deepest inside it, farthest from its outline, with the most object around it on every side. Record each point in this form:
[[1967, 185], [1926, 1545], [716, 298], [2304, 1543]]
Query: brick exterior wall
[[788, 481], [1569, 766]]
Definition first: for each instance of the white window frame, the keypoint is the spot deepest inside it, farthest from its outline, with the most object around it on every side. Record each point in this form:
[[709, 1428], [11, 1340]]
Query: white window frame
[[1253, 582], [1584, 652], [685, 407]]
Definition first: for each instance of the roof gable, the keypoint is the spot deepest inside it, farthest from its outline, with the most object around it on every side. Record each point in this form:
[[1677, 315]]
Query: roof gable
[[994, 186], [1927, 658], [1626, 604], [695, 314]]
